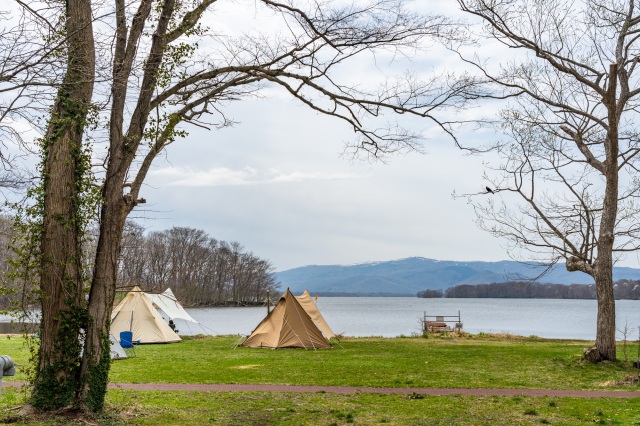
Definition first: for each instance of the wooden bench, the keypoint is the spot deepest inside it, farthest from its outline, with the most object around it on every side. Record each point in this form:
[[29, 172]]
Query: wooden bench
[[441, 323]]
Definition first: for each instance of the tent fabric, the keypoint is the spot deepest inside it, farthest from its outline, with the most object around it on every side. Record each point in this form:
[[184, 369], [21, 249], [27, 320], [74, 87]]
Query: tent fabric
[[117, 352], [136, 313], [288, 325], [312, 309], [169, 304]]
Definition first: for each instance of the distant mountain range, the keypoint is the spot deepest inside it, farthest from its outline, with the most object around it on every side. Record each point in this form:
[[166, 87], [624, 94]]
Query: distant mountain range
[[413, 274]]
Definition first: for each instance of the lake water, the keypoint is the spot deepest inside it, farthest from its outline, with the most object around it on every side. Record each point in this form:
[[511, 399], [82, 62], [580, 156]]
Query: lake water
[[395, 316]]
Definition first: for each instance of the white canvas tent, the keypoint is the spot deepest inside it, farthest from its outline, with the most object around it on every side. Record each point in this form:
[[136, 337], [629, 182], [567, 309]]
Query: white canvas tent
[[169, 307], [288, 325], [116, 350], [168, 303], [136, 313]]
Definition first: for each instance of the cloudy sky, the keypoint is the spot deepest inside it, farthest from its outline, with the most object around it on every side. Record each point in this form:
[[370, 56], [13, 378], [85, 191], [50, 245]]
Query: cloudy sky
[[277, 183]]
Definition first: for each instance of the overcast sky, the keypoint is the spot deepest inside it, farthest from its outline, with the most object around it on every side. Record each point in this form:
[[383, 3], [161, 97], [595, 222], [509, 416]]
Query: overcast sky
[[276, 183]]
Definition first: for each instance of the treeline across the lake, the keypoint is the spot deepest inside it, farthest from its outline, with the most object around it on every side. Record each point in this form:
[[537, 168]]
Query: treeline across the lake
[[623, 289], [199, 269], [361, 294]]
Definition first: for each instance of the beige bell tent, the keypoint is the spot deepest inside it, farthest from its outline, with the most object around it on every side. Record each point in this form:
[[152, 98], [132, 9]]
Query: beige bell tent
[[288, 325], [136, 313], [312, 309]]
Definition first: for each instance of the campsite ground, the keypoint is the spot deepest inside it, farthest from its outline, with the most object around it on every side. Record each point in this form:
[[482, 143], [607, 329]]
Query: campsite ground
[[479, 362]]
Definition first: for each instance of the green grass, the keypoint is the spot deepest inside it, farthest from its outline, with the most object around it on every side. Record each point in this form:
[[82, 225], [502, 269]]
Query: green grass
[[375, 362], [369, 409], [127, 407], [476, 362]]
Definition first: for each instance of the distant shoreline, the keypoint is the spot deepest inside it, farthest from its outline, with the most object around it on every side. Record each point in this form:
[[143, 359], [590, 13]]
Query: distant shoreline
[[461, 297], [340, 294]]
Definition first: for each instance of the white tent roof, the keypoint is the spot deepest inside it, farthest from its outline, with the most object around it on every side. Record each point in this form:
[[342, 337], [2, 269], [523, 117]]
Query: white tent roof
[[135, 313], [169, 304]]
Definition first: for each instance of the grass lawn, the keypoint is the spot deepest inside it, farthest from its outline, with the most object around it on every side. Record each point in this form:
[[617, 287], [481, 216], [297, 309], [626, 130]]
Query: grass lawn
[[475, 362]]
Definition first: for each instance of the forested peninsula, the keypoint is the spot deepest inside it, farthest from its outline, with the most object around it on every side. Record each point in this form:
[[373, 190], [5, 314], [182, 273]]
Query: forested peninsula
[[623, 289], [201, 270]]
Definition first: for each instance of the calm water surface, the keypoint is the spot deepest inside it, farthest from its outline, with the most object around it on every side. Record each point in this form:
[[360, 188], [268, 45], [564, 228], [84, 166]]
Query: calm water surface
[[395, 316]]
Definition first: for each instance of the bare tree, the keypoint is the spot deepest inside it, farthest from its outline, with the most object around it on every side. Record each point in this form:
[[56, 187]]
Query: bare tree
[[567, 187], [200, 270], [133, 257], [161, 71], [188, 252], [161, 79], [158, 268], [31, 48]]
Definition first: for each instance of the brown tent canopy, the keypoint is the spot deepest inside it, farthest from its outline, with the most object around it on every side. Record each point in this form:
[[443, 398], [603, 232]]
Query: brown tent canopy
[[288, 325], [310, 306]]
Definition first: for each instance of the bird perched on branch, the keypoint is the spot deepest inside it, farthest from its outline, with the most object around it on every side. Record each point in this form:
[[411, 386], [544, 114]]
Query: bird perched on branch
[[489, 190]]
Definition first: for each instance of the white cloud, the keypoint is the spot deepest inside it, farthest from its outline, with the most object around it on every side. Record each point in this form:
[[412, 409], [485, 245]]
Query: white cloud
[[224, 176]]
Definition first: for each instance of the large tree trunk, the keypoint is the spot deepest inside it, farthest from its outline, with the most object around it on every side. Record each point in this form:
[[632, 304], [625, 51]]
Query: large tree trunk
[[116, 205], [605, 348], [96, 361], [605, 345], [61, 281]]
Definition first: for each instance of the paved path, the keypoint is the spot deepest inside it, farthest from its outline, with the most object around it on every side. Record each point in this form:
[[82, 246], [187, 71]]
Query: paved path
[[355, 389]]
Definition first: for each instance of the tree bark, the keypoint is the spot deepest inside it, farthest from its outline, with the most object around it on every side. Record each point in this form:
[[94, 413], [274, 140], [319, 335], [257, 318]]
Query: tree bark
[[605, 344], [116, 206], [96, 361], [603, 272], [61, 280]]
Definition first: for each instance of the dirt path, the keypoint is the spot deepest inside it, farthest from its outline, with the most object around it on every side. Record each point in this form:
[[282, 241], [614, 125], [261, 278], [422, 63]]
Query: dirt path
[[352, 390]]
